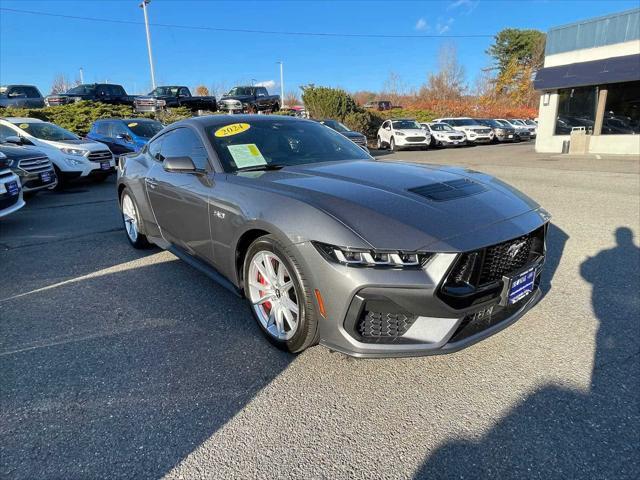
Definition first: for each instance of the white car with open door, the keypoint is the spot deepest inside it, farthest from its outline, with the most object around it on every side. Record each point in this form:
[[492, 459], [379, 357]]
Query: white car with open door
[[402, 133]]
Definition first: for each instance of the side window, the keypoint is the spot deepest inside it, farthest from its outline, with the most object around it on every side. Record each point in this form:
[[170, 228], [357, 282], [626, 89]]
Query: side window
[[183, 142], [16, 92], [6, 132], [102, 128], [261, 92], [154, 147], [117, 128], [32, 92], [117, 90], [183, 92]]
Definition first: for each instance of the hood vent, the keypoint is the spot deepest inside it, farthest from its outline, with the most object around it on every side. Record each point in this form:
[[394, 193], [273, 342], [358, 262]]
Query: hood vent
[[451, 190]]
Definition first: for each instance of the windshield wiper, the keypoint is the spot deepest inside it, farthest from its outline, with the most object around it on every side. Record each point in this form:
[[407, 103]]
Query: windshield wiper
[[259, 168]]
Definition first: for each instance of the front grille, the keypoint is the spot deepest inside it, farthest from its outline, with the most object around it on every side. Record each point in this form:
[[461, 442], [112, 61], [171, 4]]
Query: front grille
[[101, 156], [383, 326], [476, 276], [35, 165], [455, 138], [149, 102], [416, 139]]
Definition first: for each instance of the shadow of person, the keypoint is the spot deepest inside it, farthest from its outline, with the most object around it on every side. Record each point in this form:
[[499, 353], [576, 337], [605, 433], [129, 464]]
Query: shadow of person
[[558, 432], [556, 240]]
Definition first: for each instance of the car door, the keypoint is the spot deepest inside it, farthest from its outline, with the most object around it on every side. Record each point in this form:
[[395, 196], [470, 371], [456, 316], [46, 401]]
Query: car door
[[180, 200], [120, 141], [385, 134]]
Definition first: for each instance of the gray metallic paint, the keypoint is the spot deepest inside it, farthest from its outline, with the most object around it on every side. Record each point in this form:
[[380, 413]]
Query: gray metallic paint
[[349, 203]]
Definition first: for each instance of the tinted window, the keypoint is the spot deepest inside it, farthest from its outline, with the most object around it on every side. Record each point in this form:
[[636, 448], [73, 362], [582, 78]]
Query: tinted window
[[261, 91], [184, 92], [146, 129], [6, 132], [17, 92], [282, 143], [102, 128], [118, 128], [622, 110], [117, 90], [32, 92], [47, 131], [82, 90], [183, 142], [153, 148], [401, 124], [576, 108]]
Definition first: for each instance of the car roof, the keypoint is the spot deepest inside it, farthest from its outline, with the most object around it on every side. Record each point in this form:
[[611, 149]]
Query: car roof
[[22, 120], [139, 120], [213, 120]]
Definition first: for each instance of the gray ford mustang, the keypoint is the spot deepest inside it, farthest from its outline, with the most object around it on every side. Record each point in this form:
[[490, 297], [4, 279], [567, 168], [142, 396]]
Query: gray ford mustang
[[329, 246]]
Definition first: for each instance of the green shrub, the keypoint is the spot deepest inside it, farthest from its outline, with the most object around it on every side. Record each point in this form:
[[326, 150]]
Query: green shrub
[[78, 117], [415, 114], [325, 102], [364, 121]]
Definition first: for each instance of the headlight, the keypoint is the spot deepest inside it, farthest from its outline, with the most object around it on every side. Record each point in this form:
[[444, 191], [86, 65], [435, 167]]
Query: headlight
[[161, 103], [500, 131], [400, 134], [355, 257], [73, 151]]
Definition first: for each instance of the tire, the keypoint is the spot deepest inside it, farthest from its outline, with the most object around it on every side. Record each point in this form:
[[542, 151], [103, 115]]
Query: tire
[[132, 219], [283, 335], [61, 181], [275, 108], [392, 145], [380, 144]]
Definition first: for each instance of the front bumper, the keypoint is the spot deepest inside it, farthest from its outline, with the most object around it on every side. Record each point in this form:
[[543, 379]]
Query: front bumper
[[410, 142], [32, 182], [385, 312], [9, 203]]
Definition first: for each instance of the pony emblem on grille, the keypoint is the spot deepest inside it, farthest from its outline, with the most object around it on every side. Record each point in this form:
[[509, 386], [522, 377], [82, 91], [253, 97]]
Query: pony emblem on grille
[[513, 250]]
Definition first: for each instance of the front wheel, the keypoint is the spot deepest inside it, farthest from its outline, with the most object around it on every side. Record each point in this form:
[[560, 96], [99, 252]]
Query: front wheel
[[379, 144], [392, 145], [279, 295], [131, 220], [275, 108]]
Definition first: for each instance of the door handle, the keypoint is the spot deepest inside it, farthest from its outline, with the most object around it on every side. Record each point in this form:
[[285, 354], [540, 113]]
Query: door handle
[[151, 183]]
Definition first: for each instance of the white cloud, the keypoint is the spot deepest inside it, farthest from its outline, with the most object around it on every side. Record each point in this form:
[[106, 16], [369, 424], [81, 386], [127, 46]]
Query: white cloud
[[467, 6], [443, 26], [422, 24], [266, 83]]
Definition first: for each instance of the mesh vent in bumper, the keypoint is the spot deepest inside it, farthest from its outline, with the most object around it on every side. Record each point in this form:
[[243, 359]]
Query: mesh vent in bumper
[[383, 326]]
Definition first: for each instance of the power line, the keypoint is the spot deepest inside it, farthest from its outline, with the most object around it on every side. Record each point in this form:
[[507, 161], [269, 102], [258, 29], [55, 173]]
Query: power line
[[237, 30]]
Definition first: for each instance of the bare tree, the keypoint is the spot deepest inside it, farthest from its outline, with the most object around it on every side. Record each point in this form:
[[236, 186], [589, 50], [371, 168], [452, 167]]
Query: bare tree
[[393, 87], [218, 89], [60, 84], [291, 99], [449, 82]]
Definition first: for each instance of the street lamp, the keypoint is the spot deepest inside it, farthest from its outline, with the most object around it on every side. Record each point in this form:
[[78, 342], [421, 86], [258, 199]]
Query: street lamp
[[281, 83], [143, 5]]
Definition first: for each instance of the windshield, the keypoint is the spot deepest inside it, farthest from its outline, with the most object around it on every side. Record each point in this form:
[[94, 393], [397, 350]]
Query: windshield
[[337, 126], [264, 143], [165, 92], [489, 122], [146, 129], [82, 90], [517, 122], [441, 127], [504, 123], [240, 91], [47, 131], [461, 122], [406, 124], [531, 122]]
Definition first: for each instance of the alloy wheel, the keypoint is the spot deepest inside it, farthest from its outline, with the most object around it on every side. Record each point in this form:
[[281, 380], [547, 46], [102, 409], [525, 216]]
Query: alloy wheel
[[273, 295], [130, 217]]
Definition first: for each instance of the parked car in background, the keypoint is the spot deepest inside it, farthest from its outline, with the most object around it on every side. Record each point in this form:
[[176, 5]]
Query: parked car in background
[[442, 135], [32, 166], [521, 123], [356, 137], [522, 133], [501, 133], [379, 105], [97, 92], [22, 96], [474, 131], [249, 100], [72, 157], [11, 198], [402, 133], [124, 135], [173, 96]]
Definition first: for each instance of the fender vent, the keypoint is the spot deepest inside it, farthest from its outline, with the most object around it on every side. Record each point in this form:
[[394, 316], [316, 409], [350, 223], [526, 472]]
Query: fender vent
[[442, 192]]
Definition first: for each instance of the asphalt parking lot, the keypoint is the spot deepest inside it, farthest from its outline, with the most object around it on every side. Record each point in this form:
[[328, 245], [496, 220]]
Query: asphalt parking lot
[[117, 363]]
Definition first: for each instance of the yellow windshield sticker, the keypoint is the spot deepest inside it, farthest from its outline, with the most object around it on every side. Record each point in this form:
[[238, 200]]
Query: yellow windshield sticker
[[24, 126], [246, 155], [133, 124], [233, 129]]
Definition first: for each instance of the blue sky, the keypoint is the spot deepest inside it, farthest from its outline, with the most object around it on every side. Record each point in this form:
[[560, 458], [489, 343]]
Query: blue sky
[[33, 49]]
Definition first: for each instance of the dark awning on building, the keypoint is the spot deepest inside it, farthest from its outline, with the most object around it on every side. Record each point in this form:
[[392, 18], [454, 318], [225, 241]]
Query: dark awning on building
[[597, 72]]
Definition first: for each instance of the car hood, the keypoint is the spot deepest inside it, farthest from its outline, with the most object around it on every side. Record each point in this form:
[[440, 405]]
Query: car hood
[[352, 134], [374, 199], [90, 145], [20, 153]]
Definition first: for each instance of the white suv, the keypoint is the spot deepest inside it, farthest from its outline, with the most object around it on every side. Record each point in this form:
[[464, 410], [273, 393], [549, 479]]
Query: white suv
[[402, 133], [10, 189], [474, 132], [72, 157]]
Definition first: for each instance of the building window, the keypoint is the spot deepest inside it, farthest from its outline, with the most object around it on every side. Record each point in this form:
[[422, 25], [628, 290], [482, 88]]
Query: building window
[[576, 108], [622, 110]]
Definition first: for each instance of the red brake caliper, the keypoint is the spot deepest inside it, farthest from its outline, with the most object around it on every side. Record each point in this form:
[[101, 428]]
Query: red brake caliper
[[267, 304]]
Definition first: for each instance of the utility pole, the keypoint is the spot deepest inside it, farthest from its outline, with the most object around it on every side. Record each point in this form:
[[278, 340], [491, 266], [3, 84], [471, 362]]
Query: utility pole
[[143, 5], [281, 83], [81, 75]]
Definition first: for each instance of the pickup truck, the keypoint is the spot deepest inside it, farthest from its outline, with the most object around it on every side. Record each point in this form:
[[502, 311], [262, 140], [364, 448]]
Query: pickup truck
[[21, 96], [249, 99], [173, 96], [97, 92]]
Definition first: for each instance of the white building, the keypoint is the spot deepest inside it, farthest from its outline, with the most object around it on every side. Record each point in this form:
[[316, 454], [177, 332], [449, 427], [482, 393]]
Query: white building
[[591, 79]]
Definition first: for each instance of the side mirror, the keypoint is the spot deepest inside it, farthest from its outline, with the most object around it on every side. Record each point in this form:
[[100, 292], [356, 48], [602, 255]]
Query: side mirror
[[125, 137], [16, 140], [180, 165]]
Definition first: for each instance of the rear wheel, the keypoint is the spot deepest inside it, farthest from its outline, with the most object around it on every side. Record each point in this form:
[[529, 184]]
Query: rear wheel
[[131, 220], [392, 145], [380, 144], [279, 295]]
